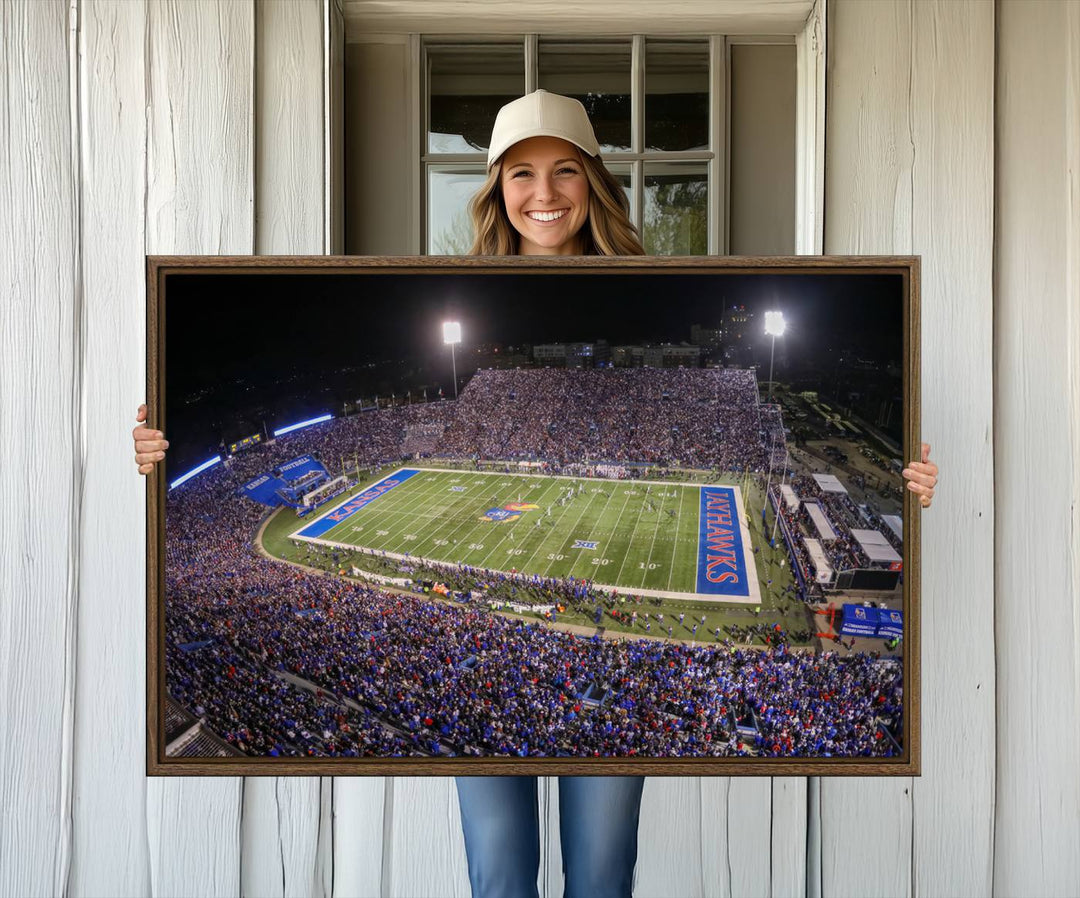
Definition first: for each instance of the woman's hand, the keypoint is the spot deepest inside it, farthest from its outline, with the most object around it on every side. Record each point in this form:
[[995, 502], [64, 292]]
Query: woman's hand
[[150, 445], [922, 477]]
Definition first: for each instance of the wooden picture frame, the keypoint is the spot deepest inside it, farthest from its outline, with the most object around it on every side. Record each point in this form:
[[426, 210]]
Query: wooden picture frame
[[243, 323]]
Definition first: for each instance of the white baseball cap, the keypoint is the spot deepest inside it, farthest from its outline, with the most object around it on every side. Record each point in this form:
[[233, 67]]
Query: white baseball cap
[[541, 114]]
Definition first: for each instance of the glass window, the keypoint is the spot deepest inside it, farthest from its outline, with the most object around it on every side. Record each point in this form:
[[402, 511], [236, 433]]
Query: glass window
[[450, 188], [676, 95], [650, 102], [624, 174], [467, 84], [597, 74], [676, 209]]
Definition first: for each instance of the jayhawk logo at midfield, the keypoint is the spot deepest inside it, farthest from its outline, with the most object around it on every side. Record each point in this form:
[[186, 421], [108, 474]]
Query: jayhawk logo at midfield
[[508, 512]]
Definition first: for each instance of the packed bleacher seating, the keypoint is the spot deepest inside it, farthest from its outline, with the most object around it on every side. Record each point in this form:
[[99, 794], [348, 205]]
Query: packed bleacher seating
[[694, 417], [282, 661]]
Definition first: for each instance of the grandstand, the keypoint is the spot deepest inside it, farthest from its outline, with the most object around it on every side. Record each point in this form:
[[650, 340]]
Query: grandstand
[[279, 660], [186, 737], [834, 544]]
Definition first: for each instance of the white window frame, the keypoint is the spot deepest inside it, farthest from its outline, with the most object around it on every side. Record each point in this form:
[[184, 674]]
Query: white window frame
[[809, 40], [714, 161]]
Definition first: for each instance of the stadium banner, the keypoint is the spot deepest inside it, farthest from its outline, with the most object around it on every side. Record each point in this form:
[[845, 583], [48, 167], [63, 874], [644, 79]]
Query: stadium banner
[[859, 620], [298, 467], [352, 506], [263, 489], [721, 564], [890, 623]]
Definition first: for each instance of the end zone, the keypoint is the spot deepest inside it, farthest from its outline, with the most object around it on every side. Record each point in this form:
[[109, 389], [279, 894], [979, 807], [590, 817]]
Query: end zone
[[726, 568], [353, 504]]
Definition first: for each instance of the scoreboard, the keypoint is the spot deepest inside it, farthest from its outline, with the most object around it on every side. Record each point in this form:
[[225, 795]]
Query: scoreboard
[[868, 579], [245, 443]]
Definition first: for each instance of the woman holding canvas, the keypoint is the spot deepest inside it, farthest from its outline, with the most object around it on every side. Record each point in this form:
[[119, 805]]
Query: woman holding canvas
[[548, 193]]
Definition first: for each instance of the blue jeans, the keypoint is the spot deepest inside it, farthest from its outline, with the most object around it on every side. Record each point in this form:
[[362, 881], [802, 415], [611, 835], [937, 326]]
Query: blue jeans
[[597, 826]]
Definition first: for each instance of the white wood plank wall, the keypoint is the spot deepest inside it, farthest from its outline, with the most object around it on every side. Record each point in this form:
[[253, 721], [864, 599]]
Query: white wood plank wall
[[158, 126], [287, 832], [1037, 450], [109, 820], [199, 199], [41, 452], [909, 169]]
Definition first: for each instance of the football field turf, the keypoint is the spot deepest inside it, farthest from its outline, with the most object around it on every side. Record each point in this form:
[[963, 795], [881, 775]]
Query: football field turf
[[637, 536]]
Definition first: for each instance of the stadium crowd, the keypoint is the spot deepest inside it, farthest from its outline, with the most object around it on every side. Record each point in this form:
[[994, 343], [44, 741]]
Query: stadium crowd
[[283, 661], [693, 417], [425, 677]]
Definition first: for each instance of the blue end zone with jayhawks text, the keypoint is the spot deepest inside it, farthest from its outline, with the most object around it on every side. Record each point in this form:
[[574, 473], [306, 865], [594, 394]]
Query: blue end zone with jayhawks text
[[721, 564], [346, 511]]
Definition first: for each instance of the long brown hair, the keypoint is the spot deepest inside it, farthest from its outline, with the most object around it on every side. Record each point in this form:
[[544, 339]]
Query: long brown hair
[[607, 231]]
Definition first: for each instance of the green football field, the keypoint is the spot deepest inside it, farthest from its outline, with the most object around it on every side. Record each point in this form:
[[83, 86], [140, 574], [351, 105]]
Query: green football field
[[629, 534]]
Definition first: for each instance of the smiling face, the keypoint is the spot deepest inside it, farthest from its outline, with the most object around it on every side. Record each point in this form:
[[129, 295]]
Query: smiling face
[[546, 195]]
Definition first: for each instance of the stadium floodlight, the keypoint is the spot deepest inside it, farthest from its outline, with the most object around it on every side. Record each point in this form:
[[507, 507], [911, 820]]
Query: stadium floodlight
[[451, 334], [206, 464], [300, 424], [774, 327], [774, 324]]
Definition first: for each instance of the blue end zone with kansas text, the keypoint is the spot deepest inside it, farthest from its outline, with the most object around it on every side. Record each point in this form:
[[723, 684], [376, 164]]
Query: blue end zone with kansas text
[[346, 511], [721, 562]]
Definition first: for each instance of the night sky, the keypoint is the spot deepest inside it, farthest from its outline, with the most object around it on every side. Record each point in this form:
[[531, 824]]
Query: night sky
[[242, 349]]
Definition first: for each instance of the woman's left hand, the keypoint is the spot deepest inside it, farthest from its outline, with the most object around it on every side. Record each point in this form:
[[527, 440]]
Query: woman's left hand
[[922, 477]]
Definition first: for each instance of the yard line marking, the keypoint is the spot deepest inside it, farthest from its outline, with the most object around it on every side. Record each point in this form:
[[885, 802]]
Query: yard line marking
[[479, 523], [419, 478], [618, 574], [659, 518], [451, 527], [335, 505], [603, 511], [403, 511], [420, 520], [565, 536], [407, 510], [466, 521], [529, 534], [543, 543], [400, 508], [546, 538], [574, 477], [675, 542], [413, 509], [500, 500]]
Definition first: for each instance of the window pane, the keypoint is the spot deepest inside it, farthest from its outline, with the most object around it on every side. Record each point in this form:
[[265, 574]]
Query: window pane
[[676, 209], [624, 176], [597, 74], [467, 84], [762, 179], [449, 191], [676, 95]]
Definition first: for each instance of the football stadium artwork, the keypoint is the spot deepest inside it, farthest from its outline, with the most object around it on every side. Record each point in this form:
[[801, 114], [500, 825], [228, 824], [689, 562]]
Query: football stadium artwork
[[537, 516]]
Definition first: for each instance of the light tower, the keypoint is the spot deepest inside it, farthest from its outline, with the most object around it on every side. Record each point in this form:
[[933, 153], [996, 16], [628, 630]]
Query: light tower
[[451, 334], [774, 327]]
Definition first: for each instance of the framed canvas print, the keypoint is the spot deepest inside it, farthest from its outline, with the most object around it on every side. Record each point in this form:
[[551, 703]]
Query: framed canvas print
[[533, 516]]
